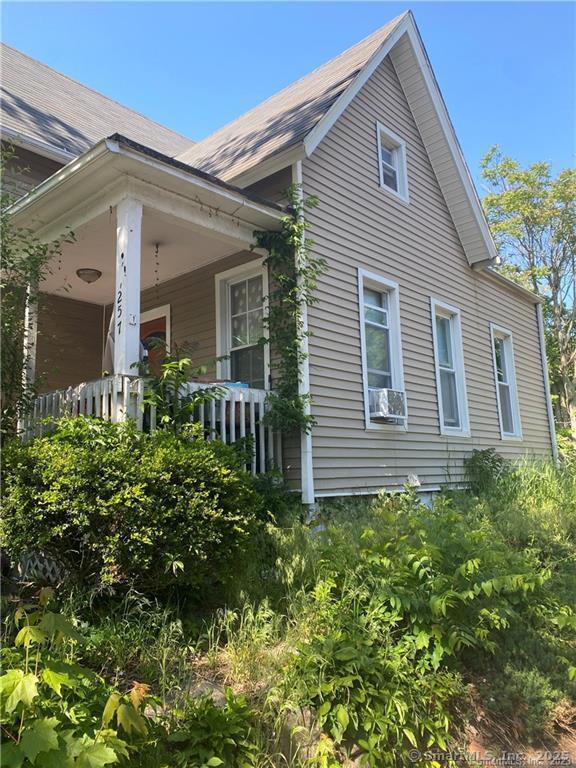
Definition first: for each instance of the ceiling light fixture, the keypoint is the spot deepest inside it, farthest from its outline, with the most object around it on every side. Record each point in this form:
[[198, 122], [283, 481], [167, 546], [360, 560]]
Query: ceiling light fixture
[[88, 274]]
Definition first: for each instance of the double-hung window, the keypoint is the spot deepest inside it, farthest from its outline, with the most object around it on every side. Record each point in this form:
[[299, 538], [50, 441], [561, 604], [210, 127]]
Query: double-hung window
[[506, 392], [240, 299], [380, 336], [450, 377], [392, 162]]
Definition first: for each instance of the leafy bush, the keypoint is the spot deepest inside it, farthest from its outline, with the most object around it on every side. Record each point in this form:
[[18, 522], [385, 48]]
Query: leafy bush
[[484, 469], [117, 506], [54, 712], [206, 735]]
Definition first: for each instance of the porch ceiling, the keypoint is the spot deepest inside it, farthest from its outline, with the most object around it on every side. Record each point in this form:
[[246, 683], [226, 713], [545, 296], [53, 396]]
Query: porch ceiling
[[181, 250]]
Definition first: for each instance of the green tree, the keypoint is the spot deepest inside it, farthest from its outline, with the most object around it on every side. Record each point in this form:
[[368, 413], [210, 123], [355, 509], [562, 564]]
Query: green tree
[[532, 215], [24, 261]]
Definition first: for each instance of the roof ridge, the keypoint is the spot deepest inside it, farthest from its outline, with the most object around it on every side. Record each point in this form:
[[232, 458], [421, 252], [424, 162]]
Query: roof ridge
[[343, 53], [98, 93]]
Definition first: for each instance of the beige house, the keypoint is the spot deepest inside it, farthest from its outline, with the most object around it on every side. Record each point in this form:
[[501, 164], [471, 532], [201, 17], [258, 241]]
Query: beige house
[[418, 351]]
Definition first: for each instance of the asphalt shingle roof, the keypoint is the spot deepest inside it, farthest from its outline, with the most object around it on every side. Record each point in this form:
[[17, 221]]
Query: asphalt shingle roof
[[285, 118], [42, 104]]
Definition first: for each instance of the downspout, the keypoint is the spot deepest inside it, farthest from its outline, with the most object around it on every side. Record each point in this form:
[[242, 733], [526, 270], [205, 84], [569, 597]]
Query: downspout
[[544, 359], [306, 462]]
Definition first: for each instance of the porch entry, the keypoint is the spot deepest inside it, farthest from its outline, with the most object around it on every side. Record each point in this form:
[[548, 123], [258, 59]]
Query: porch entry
[[154, 328]]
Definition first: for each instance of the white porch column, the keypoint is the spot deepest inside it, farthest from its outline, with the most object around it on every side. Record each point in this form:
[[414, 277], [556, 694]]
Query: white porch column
[[30, 338], [127, 296]]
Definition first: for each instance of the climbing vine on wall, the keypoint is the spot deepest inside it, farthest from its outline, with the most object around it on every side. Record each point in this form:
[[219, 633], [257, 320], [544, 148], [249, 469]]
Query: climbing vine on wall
[[294, 272]]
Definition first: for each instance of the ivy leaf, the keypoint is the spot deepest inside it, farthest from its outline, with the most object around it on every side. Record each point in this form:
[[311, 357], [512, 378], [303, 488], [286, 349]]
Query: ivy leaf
[[487, 587], [29, 635], [131, 720], [12, 755], [215, 761], [138, 693], [323, 709], [41, 736], [110, 709], [96, 755], [56, 675], [16, 687], [56, 624]]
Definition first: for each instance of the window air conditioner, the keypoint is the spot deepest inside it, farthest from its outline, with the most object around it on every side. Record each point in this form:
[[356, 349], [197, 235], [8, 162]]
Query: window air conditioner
[[387, 404]]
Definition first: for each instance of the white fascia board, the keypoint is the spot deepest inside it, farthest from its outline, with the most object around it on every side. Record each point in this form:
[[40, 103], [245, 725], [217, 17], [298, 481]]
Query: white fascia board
[[269, 166], [36, 146], [408, 27], [343, 101], [196, 182]]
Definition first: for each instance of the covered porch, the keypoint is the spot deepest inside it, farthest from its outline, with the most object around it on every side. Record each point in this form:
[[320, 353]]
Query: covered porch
[[160, 251]]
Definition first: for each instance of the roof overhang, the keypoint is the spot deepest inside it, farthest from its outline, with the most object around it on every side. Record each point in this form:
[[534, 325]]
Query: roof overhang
[[116, 168], [42, 148], [408, 55]]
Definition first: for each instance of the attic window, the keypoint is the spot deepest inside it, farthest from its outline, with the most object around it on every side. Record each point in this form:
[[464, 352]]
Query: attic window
[[392, 162]]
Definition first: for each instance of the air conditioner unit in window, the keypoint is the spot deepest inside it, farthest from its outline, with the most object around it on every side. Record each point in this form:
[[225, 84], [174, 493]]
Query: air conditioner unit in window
[[387, 404]]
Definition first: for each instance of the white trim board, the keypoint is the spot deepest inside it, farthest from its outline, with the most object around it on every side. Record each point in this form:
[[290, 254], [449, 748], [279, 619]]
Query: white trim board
[[153, 314], [222, 282], [438, 307], [498, 332], [393, 290], [402, 167]]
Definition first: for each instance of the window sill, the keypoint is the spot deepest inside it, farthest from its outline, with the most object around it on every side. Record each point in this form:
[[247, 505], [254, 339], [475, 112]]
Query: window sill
[[404, 199], [375, 426], [446, 432], [511, 438]]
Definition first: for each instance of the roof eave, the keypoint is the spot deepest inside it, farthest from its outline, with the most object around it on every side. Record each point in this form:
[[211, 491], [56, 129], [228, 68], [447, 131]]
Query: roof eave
[[117, 157]]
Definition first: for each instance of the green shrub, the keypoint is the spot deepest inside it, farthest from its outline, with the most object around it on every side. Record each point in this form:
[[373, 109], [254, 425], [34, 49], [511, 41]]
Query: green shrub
[[484, 469], [206, 735], [409, 598], [116, 506]]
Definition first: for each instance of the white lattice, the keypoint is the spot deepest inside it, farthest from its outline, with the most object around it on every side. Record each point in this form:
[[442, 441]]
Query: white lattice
[[38, 567]]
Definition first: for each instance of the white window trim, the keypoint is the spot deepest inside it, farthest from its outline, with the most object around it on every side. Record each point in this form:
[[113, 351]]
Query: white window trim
[[223, 339], [393, 290], [153, 314], [401, 170], [497, 331], [440, 308]]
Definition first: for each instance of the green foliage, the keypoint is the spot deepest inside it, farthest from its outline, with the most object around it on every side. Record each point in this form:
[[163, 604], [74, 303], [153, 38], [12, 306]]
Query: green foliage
[[533, 219], [53, 711], [206, 735], [25, 261], [116, 506], [294, 274], [484, 469], [167, 391]]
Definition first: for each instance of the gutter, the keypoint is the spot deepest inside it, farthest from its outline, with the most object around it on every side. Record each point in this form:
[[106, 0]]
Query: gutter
[[118, 145], [306, 458], [544, 359], [49, 151]]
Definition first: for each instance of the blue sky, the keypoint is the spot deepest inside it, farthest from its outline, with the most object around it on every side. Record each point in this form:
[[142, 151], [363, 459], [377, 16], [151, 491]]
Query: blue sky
[[507, 70]]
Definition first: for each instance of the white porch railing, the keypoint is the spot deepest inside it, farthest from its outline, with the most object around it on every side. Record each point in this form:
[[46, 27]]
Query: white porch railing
[[237, 414]]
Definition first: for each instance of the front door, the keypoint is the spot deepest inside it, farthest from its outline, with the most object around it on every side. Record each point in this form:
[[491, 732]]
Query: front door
[[155, 336]]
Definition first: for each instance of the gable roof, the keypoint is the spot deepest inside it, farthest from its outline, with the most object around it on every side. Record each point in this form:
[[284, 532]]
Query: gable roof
[[290, 125], [287, 117], [41, 108]]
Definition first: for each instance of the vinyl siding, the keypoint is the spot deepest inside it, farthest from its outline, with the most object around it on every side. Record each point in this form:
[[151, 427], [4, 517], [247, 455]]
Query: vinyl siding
[[192, 299], [358, 224], [25, 170]]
